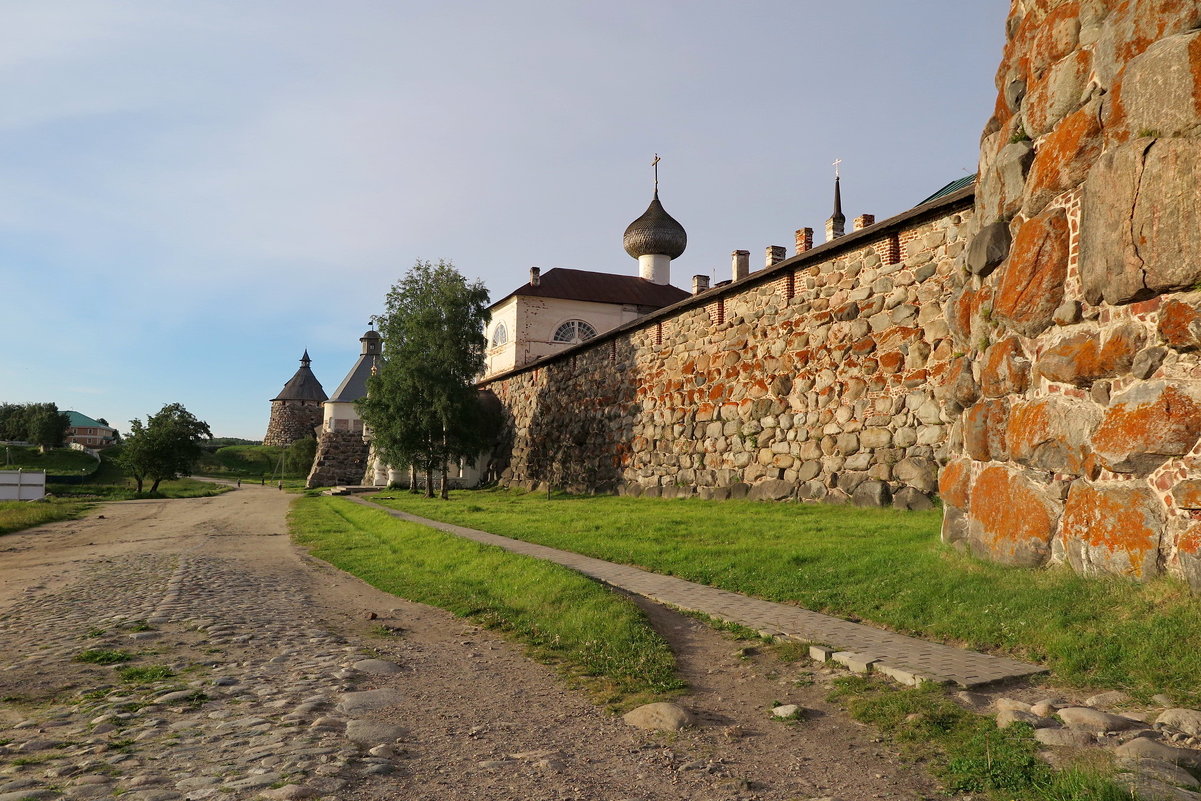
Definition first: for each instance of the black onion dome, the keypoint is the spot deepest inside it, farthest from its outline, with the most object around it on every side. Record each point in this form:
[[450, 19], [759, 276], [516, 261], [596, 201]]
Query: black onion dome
[[655, 233]]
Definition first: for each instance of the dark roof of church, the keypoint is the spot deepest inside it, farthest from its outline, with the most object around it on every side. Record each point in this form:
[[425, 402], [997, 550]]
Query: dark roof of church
[[354, 386], [302, 386], [954, 186], [599, 288]]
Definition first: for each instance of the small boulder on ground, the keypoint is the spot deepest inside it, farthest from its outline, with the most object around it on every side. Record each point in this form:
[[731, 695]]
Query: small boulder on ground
[[663, 715], [1094, 720], [1147, 748], [1185, 720]]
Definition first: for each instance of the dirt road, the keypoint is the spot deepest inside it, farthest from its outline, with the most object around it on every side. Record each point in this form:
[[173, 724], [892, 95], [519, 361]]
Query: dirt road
[[283, 685]]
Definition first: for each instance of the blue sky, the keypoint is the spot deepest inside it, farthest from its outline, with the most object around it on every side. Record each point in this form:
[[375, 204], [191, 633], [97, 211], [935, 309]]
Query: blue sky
[[191, 194]]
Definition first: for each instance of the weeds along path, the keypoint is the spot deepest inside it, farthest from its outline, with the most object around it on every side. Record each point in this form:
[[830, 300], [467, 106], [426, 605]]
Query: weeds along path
[[219, 661]]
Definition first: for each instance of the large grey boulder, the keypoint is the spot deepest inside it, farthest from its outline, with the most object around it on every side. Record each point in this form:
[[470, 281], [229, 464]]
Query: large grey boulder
[[1140, 224], [1159, 88], [1185, 720]]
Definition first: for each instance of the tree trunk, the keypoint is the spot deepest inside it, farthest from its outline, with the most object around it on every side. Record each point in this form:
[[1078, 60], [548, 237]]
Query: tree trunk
[[413, 477], [138, 479], [154, 486], [429, 479], [445, 493]]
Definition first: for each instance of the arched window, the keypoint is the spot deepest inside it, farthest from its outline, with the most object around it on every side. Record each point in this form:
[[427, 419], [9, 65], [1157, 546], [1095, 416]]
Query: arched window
[[500, 335], [574, 331]]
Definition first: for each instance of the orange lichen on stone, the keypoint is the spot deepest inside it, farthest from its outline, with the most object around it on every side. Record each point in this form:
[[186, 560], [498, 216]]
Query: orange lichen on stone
[[1012, 519], [1180, 325], [1006, 370], [891, 362], [1054, 36], [955, 483], [1082, 359], [1112, 529], [984, 427], [1032, 280], [1049, 434], [1187, 494], [1063, 158], [1146, 426]]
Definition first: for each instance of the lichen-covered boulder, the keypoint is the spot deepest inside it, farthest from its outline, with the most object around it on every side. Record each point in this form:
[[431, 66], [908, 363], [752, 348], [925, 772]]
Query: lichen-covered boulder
[[1180, 324], [1112, 528], [1032, 280], [1083, 358], [1051, 433], [1013, 518], [1161, 88], [1148, 424], [1006, 369]]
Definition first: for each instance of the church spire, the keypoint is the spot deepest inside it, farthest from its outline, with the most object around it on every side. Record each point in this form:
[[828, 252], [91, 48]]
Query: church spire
[[836, 225]]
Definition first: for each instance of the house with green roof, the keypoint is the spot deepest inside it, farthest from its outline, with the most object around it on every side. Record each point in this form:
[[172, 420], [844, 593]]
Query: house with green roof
[[88, 432]]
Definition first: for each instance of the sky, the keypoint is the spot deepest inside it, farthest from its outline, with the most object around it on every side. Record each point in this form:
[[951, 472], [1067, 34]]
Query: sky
[[192, 194]]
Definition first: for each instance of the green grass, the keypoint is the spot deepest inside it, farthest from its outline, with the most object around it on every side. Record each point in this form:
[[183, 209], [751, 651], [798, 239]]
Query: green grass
[[590, 633], [967, 751], [246, 462], [18, 515], [879, 565], [57, 461], [102, 656], [137, 674], [110, 483]]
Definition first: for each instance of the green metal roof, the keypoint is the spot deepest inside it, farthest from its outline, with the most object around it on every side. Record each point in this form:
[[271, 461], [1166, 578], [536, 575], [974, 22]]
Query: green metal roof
[[83, 421], [954, 186]]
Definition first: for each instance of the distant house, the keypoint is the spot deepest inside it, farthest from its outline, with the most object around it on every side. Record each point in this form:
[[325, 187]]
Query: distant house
[[88, 432]]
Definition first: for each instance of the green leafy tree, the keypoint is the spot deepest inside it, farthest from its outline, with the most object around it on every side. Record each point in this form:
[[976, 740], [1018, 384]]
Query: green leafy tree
[[46, 427], [298, 458], [164, 447], [40, 423], [422, 406]]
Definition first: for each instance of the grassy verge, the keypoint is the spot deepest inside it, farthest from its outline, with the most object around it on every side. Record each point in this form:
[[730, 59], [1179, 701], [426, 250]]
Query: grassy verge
[[18, 515], [57, 461], [967, 751], [591, 634], [879, 565], [110, 483]]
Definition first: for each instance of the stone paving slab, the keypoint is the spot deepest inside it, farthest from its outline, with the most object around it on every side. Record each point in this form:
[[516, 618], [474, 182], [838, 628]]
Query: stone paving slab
[[893, 653]]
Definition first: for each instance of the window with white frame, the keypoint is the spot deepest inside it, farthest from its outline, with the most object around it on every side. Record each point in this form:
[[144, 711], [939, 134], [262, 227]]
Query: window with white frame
[[500, 335], [574, 331]]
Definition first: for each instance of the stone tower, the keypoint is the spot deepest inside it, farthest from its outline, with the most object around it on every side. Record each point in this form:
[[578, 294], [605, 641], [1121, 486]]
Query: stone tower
[[342, 450], [296, 410]]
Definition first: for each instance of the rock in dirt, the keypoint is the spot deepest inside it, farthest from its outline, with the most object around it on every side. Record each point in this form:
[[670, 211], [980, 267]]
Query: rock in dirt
[[1147, 748], [369, 699], [664, 716], [377, 666], [370, 732], [1185, 720], [1085, 719]]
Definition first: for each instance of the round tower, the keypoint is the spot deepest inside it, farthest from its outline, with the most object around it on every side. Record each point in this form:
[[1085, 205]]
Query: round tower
[[296, 410]]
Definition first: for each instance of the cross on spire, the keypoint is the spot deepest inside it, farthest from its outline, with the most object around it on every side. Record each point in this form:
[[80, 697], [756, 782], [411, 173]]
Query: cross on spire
[[836, 163], [655, 164]]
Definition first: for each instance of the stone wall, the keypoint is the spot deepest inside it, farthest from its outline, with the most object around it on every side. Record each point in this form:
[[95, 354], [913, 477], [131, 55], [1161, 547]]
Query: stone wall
[[342, 458], [292, 420], [820, 377], [1078, 408]]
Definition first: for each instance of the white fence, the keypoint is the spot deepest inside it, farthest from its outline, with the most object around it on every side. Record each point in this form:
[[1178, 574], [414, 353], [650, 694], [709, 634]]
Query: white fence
[[22, 485]]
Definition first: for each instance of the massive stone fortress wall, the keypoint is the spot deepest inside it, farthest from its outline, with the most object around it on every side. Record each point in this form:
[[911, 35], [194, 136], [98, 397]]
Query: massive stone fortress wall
[[1050, 366], [1081, 323], [815, 378]]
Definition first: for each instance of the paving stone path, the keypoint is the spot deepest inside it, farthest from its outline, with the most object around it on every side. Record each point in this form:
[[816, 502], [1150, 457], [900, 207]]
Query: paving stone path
[[253, 709], [906, 659]]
